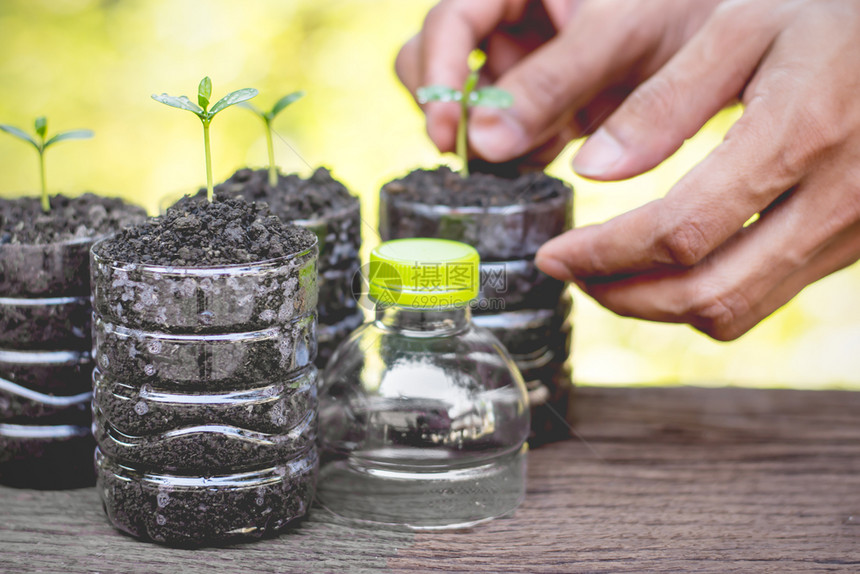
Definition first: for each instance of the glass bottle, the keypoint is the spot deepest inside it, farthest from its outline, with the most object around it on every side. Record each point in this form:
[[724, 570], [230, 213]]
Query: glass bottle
[[423, 415]]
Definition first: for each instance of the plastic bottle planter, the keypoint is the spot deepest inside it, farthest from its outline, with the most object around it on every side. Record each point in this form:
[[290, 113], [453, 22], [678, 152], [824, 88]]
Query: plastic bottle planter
[[330, 336], [45, 365], [498, 232], [525, 308], [205, 396], [339, 234], [539, 341], [337, 226]]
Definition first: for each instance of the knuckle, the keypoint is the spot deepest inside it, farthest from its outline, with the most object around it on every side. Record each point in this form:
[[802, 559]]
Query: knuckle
[[717, 311], [597, 265], [821, 130], [684, 244], [545, 86], [656, 96]]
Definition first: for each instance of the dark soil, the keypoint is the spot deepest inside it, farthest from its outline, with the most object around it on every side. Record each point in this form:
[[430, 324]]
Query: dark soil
[[52, 372], [273, 408], [442, 186], [47, 462], [527, 333], [17, 406], [504, 219], [190, 364], [197, 233], [184, 511], [45, 338], [205, 333], [47, 255], [515, 285], [205, 449], [22, 220], [294, 198], [319, 203], [46, 324], [337, 289]]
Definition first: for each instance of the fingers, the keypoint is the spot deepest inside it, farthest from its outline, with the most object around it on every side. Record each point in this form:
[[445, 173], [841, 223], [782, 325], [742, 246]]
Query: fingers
[[708, 73], [438, 55], [560, 77], [442, 118], [811, 234], [762, 156]]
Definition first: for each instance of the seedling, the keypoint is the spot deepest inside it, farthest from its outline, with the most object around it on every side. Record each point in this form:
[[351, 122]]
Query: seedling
[[268, 118], [469, 97], [202, 111], [42, 144]]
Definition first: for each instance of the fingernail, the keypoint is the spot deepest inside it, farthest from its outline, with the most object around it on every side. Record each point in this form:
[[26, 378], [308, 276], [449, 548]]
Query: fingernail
[[598, 155], [552, 266], [496, 136]]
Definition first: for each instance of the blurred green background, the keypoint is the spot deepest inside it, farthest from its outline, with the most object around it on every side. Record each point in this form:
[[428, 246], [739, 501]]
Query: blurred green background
[[94, 63]]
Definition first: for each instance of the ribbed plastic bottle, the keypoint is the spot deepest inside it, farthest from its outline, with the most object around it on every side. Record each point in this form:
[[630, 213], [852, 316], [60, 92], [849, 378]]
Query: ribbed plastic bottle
[[423, 416], [205, 396]]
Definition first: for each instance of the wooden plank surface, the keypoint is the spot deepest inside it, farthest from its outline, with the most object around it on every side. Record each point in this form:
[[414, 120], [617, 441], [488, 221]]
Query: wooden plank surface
[[681, 479]]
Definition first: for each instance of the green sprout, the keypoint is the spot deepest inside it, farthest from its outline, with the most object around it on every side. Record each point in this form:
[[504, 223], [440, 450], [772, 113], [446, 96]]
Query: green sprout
[[469, 97], [42, 143], [268, 118], [202, 111]]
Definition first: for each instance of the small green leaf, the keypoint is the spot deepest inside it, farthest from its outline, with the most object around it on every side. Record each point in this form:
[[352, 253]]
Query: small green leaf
[[204, 92], [284, 102], [491, 97], [19, 133], [438, 94], [181, 102], [41, 125], [233, 98], [70, 135]]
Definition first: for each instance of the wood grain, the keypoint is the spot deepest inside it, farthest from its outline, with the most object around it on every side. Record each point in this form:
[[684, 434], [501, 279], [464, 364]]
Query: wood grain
[[675, 479]]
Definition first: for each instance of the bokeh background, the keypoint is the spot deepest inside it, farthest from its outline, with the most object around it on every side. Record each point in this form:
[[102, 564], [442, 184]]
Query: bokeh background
[[94, 64]]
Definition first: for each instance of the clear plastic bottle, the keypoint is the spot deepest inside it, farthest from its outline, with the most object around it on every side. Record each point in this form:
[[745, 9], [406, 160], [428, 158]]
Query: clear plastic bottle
[[423, 416]]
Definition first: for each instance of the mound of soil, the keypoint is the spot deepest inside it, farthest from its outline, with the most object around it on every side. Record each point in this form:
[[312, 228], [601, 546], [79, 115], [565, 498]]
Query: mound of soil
[[294, 197], [22, 220], [197, 233], [441, 186]]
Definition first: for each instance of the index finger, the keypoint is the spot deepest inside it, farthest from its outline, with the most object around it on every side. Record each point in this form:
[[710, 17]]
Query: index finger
[[438, 55]]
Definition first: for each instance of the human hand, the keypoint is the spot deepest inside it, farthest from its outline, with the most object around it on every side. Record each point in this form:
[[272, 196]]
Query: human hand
[[568, 64], [793, 158]]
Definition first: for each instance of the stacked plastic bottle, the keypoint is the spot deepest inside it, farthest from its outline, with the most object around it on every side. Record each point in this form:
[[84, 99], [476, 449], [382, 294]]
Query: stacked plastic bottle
[[205, 396], [45, 365], [337, 225], [339, 233], [526, 309]]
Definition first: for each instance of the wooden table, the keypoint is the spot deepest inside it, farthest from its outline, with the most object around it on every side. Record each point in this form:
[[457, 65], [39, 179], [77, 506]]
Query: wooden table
[[680, 479]]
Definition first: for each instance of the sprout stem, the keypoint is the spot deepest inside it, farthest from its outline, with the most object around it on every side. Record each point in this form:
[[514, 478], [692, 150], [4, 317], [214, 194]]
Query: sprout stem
[[273, 169], [462, 144], [462, 141], [210, 192], [46, 204]]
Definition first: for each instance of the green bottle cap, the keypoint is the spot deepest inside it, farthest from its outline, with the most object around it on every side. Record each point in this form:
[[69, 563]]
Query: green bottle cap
[[424, 273]]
